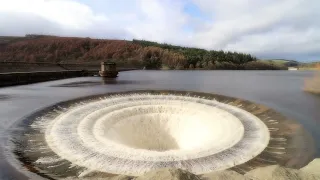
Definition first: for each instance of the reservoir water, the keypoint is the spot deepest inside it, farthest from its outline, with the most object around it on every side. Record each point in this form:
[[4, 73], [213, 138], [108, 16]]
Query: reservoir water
[[280, 90]]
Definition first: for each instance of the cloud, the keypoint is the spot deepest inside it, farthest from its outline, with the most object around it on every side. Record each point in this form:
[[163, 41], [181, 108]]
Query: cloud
[[266, 28], [56, 17], [24, 23]]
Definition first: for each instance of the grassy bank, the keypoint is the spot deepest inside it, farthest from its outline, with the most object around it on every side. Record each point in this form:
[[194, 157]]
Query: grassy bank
[[313, 84], [310, 66]]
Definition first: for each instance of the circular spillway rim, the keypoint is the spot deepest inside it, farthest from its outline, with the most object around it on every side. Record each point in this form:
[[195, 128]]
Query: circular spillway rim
[[277, 151], [255, 141]]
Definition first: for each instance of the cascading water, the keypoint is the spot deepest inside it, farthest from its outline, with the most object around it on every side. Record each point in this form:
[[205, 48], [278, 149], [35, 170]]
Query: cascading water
[[135, 132]]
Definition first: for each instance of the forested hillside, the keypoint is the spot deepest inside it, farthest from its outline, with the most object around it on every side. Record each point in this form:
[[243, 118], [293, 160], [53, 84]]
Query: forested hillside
[[136, 53]]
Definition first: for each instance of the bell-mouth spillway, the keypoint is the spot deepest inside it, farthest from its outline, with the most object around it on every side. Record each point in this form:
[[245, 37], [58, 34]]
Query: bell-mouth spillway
[[134, 132]]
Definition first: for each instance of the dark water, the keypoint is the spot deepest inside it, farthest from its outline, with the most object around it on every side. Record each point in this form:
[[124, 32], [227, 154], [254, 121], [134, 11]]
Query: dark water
[[280, 90]]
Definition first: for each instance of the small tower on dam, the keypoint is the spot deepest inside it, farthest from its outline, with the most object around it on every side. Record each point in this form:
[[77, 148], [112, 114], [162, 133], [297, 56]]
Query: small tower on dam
[[108, 70]]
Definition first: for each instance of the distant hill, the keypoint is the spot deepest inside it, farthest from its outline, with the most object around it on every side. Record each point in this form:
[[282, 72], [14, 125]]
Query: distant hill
[[5, 40], [310, 66], [283, 62], [294, 63], [12, 39], [9, 39], [35, 48]]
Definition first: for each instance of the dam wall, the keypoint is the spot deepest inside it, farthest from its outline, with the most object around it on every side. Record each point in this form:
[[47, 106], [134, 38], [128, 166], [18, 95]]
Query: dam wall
[[6, 67], [18, 73], [20, 78]]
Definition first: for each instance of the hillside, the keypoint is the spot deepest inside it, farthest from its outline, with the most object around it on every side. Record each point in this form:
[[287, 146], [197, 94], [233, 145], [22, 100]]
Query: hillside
[[293, 63], [283, 62], [136, 53], [310, 66]]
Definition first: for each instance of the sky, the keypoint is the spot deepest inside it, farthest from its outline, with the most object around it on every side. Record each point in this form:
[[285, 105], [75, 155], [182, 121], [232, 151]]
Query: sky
[[282, 29]]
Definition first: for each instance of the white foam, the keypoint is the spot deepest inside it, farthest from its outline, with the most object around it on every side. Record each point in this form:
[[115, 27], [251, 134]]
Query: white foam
[[133, 134]]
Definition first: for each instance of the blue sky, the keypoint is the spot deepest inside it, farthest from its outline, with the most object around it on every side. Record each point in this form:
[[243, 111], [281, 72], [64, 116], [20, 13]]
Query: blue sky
[[266, 28], [194, 11]]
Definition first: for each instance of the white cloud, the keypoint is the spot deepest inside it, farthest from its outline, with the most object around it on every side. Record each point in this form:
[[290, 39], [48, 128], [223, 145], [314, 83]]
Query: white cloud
[[68, 14], [160, 20], [266, 28], [57, 17]]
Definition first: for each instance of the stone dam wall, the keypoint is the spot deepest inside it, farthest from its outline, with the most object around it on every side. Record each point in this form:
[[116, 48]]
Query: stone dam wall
[[19, 73], [19, 78], [6, 67]]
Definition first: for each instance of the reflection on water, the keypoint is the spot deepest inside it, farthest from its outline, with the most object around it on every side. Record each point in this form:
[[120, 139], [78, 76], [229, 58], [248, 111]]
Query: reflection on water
[[100, 81], [280, 90], [116, 81]]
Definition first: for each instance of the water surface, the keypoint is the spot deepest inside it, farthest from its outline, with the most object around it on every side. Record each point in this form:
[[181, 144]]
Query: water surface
[[280, 90]]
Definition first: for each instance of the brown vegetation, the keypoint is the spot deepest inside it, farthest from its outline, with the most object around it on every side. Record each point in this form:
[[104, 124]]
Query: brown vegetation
[[313, 84], [84, 50], [57, 49], [136, 53]]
